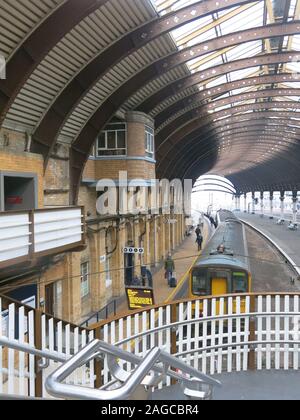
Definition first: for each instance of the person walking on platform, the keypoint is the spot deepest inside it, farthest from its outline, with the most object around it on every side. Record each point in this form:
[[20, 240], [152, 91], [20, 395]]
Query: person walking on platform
[[198, 231], [199, 241], [169, 268]]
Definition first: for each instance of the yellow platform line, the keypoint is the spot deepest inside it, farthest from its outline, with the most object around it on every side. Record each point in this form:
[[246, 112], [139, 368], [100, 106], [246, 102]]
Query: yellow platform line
[[183, 277]]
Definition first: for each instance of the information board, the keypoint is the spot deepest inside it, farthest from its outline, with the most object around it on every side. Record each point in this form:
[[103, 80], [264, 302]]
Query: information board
[[139, 297]]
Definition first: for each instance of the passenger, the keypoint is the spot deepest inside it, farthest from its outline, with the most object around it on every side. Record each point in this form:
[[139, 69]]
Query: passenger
[[199, 241], [169, 268], [198, 231], [136, 281]]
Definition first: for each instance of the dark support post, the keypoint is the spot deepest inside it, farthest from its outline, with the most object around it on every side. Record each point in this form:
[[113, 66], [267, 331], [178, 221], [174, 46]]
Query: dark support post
[[38, 346], [98, 364], [252, 338]]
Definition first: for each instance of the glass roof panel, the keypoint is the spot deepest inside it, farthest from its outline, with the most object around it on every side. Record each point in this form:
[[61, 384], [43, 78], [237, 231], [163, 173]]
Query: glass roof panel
[[251, 15]]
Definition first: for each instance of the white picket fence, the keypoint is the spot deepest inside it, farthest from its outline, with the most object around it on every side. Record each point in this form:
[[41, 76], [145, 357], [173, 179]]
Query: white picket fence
[[218, 335], [18, 370]]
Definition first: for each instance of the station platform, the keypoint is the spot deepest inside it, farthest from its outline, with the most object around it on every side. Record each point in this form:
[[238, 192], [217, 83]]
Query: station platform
[[184, 258], [246, 386], [287, 240]]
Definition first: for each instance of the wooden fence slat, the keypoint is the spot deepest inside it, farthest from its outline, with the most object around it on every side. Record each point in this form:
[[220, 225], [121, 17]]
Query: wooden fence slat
[[286, 332], [277, 333], [32, 365], [22, 354], [213, 337], [11, 352], [204, 335]]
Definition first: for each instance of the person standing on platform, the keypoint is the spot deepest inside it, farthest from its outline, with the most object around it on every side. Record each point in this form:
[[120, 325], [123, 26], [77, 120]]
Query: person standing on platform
[[169, 268], [136, 281]]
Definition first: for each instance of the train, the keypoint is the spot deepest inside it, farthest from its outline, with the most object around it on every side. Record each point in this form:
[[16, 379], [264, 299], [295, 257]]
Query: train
[[223, 267]]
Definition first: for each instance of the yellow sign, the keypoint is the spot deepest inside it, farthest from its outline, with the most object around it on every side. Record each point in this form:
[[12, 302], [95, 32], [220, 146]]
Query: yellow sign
[[139, 297]]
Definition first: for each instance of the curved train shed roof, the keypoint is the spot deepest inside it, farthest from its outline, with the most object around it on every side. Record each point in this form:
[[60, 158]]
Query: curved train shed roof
[[220, 78]]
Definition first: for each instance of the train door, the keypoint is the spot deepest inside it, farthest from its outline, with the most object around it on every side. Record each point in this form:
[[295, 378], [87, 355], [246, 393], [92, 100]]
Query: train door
[[219, 286]]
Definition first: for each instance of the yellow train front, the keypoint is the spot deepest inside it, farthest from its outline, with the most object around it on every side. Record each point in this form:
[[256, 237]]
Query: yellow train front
[[223, 267]]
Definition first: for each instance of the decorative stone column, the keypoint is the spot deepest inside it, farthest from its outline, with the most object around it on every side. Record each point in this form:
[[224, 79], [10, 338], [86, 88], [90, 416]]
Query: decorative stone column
[[98, 280], [163, 237], [118, 274], [262, 196], [71, 288]]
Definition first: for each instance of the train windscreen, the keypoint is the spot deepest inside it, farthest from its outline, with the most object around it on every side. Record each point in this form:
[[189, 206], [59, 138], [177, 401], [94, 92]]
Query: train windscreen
[[239, 282], [199, 283]]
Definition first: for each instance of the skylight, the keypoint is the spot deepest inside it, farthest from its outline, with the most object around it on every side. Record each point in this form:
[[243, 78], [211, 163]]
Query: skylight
[[232, 20]]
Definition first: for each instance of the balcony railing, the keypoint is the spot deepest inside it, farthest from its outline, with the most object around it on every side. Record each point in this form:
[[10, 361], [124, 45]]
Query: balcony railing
[[212, 336], [26, 235]]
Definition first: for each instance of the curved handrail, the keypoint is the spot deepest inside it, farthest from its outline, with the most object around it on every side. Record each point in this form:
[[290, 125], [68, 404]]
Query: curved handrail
[[56, 388]]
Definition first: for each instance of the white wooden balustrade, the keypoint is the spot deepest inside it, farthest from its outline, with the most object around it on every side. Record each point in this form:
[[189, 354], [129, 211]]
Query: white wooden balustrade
[[29, 234], [213, 335], [19, 373]]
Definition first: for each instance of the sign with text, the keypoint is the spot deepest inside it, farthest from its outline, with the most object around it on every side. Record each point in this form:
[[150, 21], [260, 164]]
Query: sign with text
[[139, 297]]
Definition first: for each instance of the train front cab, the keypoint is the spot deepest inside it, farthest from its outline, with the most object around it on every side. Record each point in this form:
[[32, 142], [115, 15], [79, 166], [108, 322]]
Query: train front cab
[[220, 281]]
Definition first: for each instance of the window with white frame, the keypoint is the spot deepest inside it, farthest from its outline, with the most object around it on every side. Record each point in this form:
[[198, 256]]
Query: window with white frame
[[149, 142], [112, 141], [85, 279]]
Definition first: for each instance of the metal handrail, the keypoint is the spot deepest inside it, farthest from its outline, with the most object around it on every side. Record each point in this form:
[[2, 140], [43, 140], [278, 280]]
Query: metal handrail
[[97, 314], [26, 348], [56, 388], [113, 353]]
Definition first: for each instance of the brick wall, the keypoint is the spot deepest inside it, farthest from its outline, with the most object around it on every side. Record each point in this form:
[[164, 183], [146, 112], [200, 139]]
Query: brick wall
[[12, 140], [13, 161], [109, 169], [57, 178]]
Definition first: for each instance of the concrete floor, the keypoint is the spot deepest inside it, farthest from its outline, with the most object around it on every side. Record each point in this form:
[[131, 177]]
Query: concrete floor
[[246, 386]]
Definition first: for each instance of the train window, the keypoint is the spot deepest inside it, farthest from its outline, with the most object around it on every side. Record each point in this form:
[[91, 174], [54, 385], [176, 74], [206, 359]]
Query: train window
[[239, 283], [200, 283]]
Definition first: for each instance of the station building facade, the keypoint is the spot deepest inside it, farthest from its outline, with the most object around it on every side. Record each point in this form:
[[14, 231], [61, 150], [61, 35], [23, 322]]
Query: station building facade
[[75, 283]]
